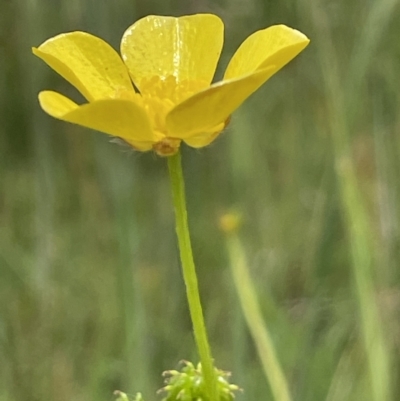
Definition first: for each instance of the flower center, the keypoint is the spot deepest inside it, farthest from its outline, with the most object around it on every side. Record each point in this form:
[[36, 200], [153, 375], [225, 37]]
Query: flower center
[[159, 97]]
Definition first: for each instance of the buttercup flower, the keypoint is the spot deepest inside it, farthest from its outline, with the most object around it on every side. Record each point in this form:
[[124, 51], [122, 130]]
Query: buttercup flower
[[160, 92]]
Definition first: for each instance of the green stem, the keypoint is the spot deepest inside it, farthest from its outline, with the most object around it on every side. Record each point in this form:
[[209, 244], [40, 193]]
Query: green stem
[[189, 274]]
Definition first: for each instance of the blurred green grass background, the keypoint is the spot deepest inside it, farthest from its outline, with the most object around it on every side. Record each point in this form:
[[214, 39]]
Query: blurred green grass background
[[91, 294]]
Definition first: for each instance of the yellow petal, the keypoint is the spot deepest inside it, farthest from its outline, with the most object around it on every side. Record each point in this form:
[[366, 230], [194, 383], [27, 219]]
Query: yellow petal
[[213, 106], [117, 117], [87, 62], [203, 139], [137, 145], [258, 58], [273, 46], [186, 47]]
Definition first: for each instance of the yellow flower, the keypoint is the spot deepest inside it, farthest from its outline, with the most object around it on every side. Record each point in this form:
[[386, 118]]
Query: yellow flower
[[171, 62]]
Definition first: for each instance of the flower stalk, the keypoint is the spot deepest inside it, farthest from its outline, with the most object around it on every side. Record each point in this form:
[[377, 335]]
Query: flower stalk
[[190, 276]]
